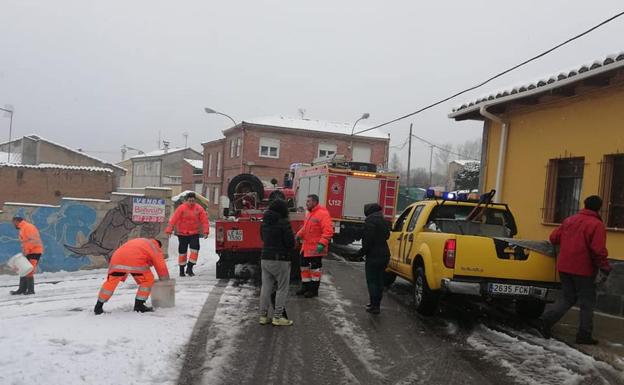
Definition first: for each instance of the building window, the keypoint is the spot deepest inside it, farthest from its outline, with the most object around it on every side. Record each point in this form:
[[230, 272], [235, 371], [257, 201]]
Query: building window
[[216, 195], [563, 188], [612, 190], [269, 148], [209, 165], [218, 164], [361, 153], [239, 142], [326, 149], [232, 148]]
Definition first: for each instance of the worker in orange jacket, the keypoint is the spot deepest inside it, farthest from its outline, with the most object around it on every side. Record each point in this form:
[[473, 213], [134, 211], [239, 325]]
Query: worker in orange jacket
[[315, 234], [32, 248], [189, 221], [134, 257]]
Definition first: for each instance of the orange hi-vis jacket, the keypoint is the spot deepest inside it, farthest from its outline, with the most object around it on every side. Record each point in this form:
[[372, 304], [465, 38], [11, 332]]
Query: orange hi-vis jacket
[[29, 236], [136, 256], [189, 219], [317, 228]]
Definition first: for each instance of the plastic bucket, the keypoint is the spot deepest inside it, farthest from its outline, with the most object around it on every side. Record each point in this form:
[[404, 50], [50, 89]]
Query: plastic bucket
[[163, 293], [20, 264]]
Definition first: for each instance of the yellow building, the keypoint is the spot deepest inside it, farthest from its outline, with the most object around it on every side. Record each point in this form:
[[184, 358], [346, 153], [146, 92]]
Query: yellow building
[[550, 144]]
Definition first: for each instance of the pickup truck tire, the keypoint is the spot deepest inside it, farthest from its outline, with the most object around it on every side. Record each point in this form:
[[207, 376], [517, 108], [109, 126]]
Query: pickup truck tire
[[425, 300], [527, 308], [389, 278]]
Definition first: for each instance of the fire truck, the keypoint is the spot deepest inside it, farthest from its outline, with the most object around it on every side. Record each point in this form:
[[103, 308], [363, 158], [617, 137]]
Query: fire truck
[[343, 187]]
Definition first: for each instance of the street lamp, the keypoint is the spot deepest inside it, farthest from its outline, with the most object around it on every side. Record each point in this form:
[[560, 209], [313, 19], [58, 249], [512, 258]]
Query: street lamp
[[365, 115], [10, 112], [211, 111]]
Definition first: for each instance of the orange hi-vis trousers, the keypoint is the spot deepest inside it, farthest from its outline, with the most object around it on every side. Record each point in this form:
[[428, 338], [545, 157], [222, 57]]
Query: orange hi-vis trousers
[[144, 280], [310, 268], [34, 263], [188, 243]]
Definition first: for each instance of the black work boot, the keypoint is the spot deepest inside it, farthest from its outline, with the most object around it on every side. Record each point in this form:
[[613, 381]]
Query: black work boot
[[313, 291], [182, 271], [30, 285], [139, 306], [305, 287], [22, 287], [99, 308], [189, 269], [585, 339]]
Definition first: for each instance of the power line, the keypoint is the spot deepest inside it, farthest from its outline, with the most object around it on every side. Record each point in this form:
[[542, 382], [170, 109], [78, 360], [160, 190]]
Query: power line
[[497, 75], [441, 148]]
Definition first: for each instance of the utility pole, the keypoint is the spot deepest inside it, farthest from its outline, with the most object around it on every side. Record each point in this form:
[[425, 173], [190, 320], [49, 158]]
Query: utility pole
[[409, 158], [430, 163], [10, 112]]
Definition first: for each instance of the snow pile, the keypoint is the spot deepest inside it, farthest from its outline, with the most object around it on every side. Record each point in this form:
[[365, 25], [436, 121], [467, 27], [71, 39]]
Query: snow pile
[[53, 337], [535, 361]]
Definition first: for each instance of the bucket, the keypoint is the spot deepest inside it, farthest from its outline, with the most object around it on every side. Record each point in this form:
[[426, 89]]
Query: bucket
[[20, 264], [163, 293]]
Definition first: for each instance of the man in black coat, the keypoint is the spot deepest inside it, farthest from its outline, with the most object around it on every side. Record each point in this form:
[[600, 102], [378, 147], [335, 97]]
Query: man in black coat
[[375, 248]]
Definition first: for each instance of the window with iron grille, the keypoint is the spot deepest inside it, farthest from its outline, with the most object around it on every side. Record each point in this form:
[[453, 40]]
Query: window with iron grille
[[563, 188], [612, 190]]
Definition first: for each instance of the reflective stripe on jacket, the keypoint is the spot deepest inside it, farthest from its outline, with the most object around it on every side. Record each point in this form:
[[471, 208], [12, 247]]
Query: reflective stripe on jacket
[[583, 241], [317, 228], [189, 219], [29, 236], [136, 256]]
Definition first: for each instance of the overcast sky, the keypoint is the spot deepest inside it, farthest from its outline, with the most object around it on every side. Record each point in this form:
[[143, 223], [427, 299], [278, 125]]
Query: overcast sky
[[96, 75]]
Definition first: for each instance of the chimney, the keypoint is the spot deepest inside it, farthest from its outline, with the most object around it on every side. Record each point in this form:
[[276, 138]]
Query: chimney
[[166, 146]]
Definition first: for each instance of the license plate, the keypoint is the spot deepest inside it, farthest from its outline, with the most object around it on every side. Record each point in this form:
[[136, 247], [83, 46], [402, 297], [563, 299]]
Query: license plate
[[501, 288], [235, 235]]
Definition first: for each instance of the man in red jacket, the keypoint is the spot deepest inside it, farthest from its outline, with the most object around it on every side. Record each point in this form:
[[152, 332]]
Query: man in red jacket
[[315, 234], [134, 257], [189, 221], [583, 255]]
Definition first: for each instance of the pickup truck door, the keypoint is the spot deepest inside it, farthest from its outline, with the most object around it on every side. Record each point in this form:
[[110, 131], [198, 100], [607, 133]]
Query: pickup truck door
[[396, 238], [409, 245]]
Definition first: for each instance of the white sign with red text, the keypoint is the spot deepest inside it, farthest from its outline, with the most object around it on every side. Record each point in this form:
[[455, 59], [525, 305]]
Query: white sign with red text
[[148, 209]]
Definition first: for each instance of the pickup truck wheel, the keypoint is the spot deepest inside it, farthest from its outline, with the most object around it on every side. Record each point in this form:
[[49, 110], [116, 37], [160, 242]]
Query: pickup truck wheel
[[425, 300], [389, 278], [529, 308]]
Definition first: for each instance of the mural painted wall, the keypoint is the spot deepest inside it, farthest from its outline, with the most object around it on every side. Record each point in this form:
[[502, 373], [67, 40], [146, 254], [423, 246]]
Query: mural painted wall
[[78, 234]]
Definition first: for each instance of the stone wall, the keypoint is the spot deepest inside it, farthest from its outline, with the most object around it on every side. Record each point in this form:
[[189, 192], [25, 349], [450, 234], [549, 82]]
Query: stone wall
[[81, 233]]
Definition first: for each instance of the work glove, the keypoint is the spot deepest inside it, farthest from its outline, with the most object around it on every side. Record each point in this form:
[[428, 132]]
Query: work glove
[[319, 247]]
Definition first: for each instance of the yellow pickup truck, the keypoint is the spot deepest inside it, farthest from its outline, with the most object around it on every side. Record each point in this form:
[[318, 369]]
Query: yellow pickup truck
[[466, 247]]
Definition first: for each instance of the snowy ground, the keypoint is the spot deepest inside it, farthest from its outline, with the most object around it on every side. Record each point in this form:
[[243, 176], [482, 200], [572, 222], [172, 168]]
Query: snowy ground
[[53, 337]]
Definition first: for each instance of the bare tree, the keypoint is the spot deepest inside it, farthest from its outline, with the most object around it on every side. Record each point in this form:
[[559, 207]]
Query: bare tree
[[395, 164], [470, 149]]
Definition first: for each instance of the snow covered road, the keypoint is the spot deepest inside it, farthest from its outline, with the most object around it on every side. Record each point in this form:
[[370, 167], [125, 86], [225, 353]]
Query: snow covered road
[[53, 337]]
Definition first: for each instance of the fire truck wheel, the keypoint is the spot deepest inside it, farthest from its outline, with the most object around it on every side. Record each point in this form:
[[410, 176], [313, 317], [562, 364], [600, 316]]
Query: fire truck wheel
[[224, 270]]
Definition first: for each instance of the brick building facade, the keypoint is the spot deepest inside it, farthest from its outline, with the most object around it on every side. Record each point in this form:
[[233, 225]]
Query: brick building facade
[[267, 147]]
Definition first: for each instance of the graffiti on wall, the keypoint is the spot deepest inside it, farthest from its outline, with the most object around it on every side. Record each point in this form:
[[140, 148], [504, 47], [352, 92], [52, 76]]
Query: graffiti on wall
[[73, 235]]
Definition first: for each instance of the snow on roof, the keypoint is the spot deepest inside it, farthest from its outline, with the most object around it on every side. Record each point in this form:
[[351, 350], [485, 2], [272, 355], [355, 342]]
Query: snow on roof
[[609, 63], [16, 157], [160, 152], [37, 137], [56, 166], [317, 125], [464, 162], [196, 163]]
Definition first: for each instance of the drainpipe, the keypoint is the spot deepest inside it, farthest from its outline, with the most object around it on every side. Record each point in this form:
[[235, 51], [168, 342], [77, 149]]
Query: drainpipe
[[502, 149]]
